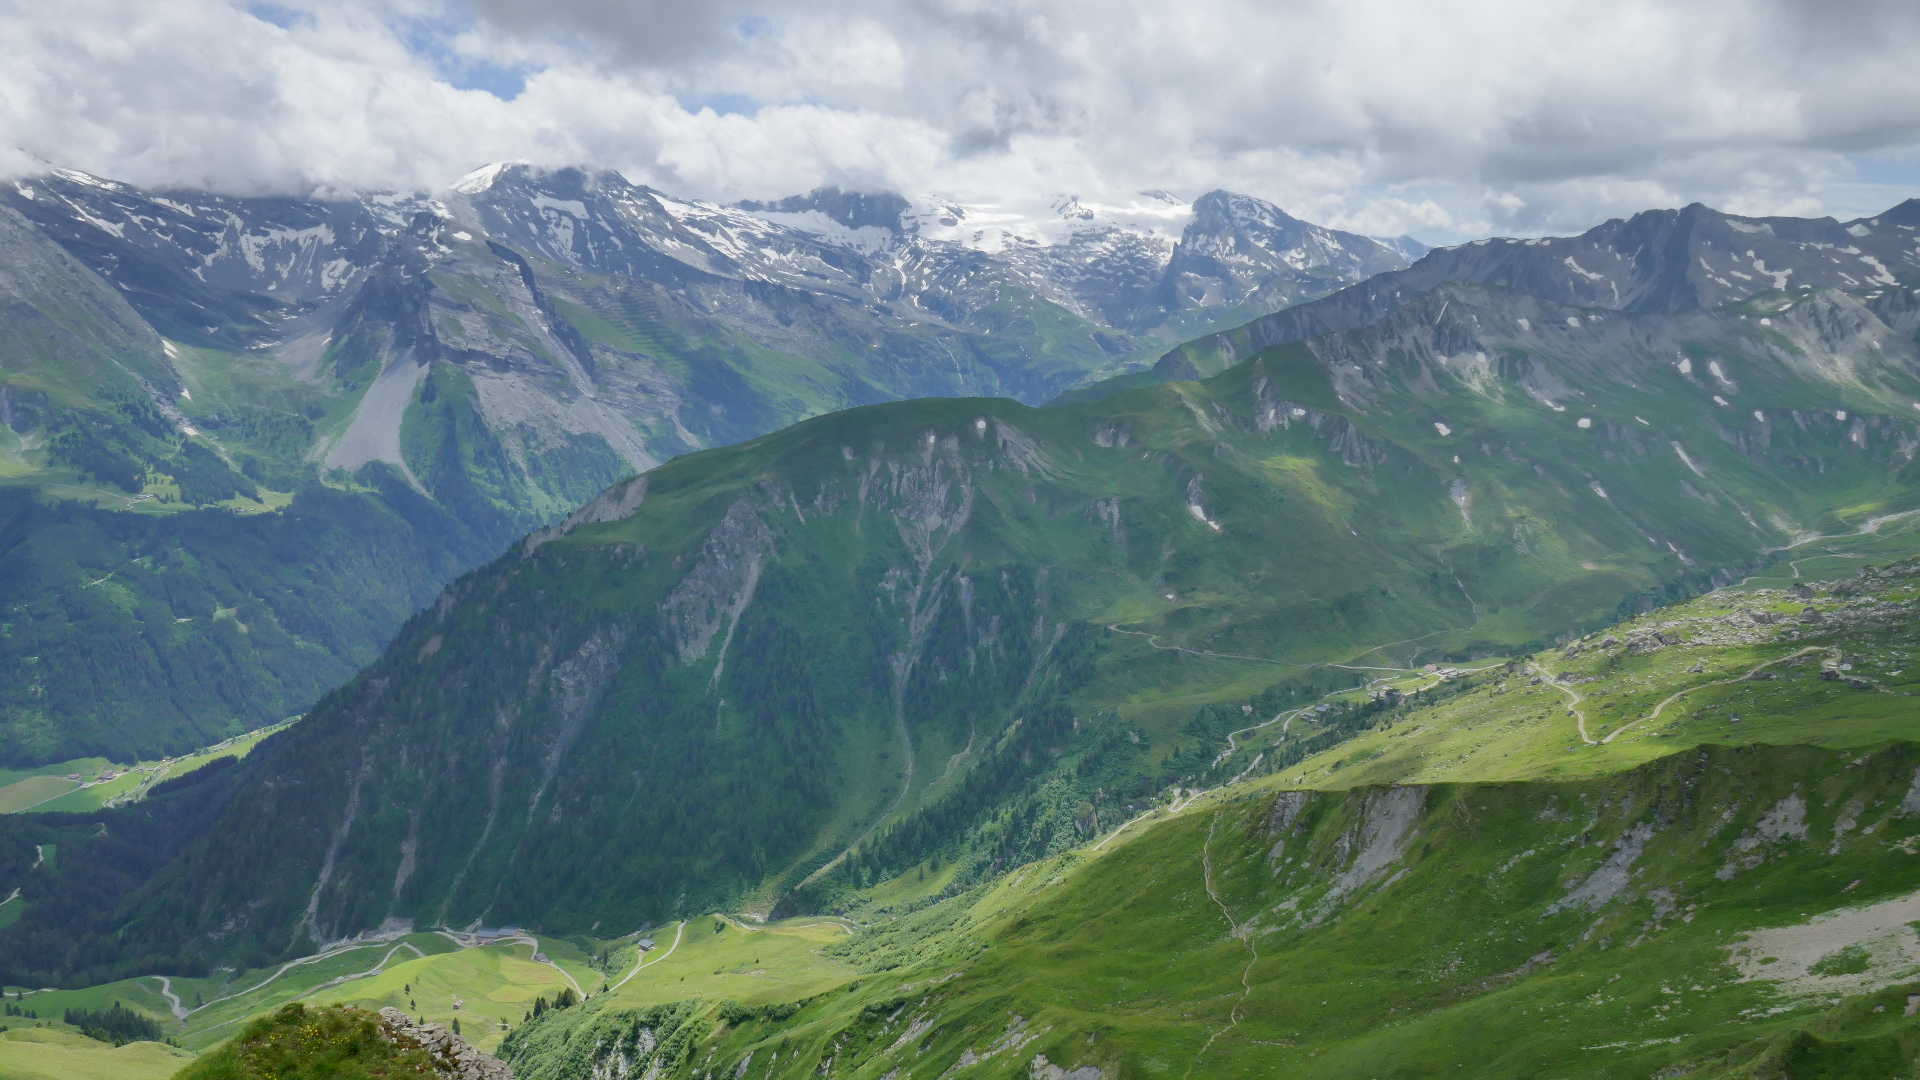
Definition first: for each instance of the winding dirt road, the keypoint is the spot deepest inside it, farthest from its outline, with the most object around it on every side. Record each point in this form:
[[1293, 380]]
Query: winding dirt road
[[1579, 718], [1750, 672], [1871, 527], [178, 1010], [641, 961]]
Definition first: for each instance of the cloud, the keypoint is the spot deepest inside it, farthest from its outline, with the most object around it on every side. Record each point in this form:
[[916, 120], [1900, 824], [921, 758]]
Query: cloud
[[1444, 117]]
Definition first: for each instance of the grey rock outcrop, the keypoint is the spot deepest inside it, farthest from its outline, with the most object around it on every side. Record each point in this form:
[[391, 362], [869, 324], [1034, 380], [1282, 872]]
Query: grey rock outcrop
[[453, 1057]]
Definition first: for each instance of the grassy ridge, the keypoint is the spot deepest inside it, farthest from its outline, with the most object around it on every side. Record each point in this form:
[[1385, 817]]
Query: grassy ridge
[[299, 1043], [1736, 665], [1585, 928]]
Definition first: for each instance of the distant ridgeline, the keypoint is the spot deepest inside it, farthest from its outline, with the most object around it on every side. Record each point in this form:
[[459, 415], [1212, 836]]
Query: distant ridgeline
[[968, 632], [241, 439]]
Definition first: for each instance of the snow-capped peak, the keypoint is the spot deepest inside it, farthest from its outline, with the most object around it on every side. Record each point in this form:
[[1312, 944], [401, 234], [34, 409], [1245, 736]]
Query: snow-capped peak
[[78, 177], [483, 177]]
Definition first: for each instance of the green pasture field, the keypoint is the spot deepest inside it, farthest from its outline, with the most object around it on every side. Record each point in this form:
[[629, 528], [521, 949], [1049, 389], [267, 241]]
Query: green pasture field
[[741, 960], [28, 1053], [46, 789]]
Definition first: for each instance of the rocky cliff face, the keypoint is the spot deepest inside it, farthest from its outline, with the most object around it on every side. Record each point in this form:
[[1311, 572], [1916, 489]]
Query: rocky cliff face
[[1243, 252]]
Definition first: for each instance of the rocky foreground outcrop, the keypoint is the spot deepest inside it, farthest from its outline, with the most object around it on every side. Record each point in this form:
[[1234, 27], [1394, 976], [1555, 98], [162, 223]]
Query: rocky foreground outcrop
[[453, 1057]]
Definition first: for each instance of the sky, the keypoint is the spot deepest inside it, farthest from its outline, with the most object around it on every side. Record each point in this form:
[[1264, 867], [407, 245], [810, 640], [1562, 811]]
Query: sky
[[1443, 119]]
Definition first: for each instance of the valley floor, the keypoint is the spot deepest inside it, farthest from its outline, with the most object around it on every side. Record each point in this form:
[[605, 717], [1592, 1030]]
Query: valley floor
[[91, 783]]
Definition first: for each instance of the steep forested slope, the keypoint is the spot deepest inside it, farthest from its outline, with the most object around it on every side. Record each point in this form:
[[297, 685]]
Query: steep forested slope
[[135, 635], [131, 624]]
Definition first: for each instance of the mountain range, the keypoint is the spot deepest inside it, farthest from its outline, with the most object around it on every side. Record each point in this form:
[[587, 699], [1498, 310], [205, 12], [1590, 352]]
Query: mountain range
[[1659, 262], [794, 666], [375, 392], [1349, 691]]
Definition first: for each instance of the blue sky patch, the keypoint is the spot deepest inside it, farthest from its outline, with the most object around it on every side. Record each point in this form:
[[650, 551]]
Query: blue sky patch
[[1886, 169], [431, 39], [724, 104], [285, 18]]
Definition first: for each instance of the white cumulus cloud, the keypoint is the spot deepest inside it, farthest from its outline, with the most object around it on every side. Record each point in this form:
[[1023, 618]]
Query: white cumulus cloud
[[1444, 118]]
